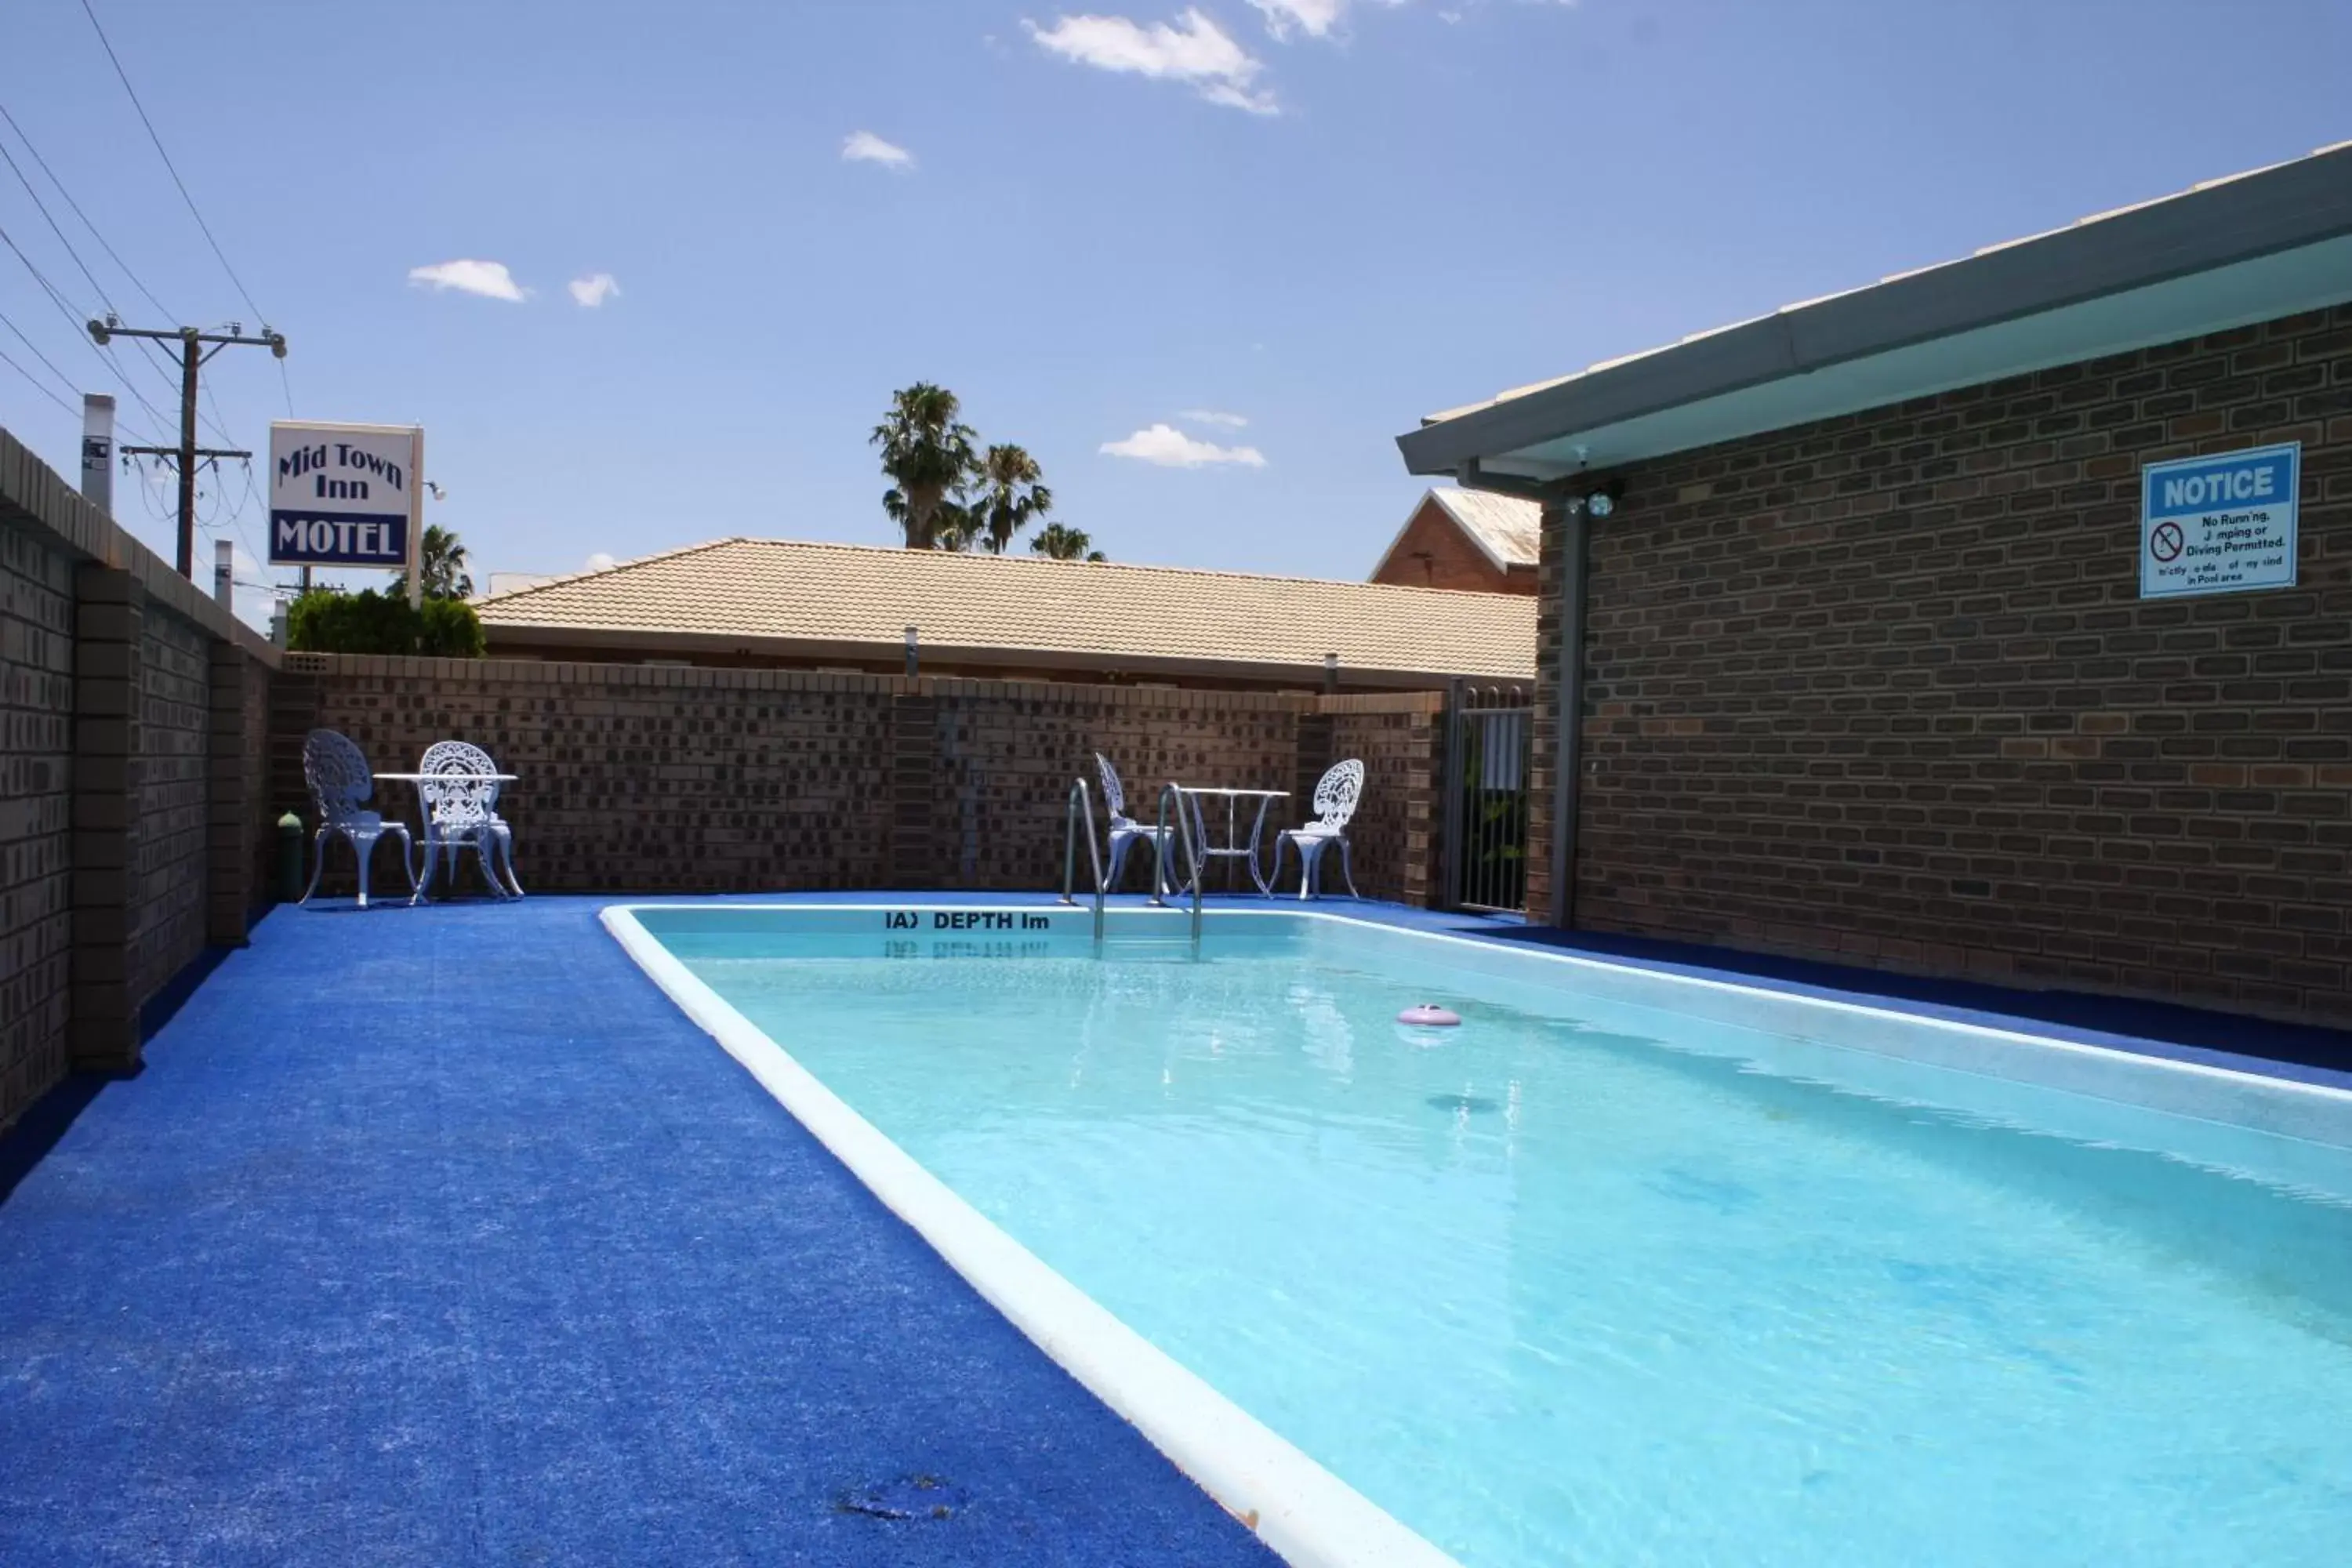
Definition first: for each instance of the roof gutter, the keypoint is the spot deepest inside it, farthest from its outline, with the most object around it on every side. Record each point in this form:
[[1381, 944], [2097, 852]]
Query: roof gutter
[[2294, 205], [1305, 676]]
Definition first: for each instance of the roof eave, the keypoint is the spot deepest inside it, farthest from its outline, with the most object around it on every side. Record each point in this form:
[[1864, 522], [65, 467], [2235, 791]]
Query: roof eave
[[2289, 207]]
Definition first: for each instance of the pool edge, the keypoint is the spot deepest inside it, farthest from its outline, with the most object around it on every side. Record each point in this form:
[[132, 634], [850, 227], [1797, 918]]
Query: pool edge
[[1297, 1506]]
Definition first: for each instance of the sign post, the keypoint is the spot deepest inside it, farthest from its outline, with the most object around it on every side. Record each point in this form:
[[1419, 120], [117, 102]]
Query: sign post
[[2220, 524], [416, 518], [348, 495]]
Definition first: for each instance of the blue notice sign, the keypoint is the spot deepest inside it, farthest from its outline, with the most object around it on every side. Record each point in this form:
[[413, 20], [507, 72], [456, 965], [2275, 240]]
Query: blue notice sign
[[2220, 525]]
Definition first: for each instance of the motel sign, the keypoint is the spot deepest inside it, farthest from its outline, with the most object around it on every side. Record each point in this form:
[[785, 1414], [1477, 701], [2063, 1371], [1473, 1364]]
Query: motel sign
[[344, 495]]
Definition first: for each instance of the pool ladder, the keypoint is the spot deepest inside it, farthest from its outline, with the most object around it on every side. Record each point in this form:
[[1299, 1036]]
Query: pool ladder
[[1080, 818]]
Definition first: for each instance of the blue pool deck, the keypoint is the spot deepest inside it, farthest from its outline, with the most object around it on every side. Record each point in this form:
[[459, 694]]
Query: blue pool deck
[[440, 1235]]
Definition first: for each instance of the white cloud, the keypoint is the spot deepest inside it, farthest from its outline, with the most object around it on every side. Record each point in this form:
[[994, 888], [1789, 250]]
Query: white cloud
[[865, 147], [490, 279], [593, 290], [1315, 18], [1210, 416], [1192, 49], [601, 562], [1172, 449]]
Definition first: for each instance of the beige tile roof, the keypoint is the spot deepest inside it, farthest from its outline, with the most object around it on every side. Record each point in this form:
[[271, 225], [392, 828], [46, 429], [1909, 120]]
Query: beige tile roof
[[1507, 528], [839, 595]]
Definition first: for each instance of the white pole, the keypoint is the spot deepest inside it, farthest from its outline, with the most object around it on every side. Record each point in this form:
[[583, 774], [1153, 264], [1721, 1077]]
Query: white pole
[[224, 574], [416, 517], [98, 451]]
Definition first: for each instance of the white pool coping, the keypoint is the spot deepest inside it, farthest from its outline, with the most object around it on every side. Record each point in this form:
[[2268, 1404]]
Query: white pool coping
[[1306, 1514], [1309, 1516]]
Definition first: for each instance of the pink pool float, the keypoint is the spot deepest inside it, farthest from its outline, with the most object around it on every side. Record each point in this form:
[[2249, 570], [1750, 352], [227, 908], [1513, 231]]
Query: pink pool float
[[1429, 1015]]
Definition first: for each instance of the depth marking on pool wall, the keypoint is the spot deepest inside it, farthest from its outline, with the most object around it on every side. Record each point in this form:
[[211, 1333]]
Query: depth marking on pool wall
[[966, 919]]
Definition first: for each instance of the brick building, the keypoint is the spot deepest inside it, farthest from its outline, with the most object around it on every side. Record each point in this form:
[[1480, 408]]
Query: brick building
[[1843, 646], [1473, 540], [777, 604]]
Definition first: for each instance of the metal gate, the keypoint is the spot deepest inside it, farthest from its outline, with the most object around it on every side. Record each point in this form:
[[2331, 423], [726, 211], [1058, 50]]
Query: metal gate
[[1490, 736]]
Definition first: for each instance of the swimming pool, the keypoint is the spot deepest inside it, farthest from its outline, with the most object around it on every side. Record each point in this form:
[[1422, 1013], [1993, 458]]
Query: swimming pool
[[1628, 1267]]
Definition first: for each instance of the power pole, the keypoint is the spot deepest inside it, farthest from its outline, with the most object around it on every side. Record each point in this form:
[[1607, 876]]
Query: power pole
[[192, 354]]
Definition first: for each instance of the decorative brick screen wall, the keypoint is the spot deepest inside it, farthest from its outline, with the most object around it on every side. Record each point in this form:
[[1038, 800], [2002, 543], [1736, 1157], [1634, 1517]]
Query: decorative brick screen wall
[[35, 815], [646, 779], [1006, 751], [1882, 690], [637, 778]]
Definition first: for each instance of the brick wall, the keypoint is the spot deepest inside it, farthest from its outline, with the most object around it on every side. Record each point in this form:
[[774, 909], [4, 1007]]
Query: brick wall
[[1882, 690], [1006, 753], [123, 847], [1401, 743], [168, 833], [647, 779], [36, 847], [259, 807], [697, 780], [1433, 552]]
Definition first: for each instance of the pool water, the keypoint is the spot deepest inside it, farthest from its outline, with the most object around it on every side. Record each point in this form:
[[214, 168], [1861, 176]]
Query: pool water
[[1599, 1281]]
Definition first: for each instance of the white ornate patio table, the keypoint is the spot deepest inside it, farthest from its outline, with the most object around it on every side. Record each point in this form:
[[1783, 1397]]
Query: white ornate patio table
[[1233, 847], [425, 811]]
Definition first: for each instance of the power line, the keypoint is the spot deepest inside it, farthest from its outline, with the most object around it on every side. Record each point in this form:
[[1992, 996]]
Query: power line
[[74, 256], [66, 311], [236, 513], [44, 391], [63, 379], [135, 280], [146, 349], [124, 77]]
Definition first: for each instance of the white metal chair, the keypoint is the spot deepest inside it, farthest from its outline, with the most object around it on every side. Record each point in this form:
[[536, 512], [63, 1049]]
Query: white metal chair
[[1336, 794], [1125, 830], [460, 815], [341, 785]]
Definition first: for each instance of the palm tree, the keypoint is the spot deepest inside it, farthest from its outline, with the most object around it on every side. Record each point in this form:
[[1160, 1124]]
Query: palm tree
[[929, 456], [442, 572], [1063, 542], [1010, 497]]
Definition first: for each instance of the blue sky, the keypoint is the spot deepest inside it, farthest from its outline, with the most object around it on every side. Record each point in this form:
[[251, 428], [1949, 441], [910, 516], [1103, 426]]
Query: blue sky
[[1324, 217]]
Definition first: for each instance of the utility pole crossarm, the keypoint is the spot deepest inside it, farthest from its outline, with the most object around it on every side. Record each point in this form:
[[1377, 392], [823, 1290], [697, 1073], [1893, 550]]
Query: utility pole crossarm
[[274, 341], [174, 451], [192, 355]]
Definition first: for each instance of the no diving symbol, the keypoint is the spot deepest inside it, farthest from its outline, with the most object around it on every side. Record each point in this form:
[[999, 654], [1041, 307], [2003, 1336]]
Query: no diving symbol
[[2166, 543]]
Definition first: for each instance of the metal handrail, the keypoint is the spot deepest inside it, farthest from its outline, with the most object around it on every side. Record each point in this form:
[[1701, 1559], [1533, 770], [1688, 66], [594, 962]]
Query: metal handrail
[[1172, 790], [1082, 802]]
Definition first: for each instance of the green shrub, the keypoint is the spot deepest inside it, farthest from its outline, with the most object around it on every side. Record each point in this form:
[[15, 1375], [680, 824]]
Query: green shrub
[[328, 620], [448, 628]]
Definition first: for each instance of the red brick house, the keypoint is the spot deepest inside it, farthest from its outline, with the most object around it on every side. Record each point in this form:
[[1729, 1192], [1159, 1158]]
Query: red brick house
[[1855, 636], [1471, 540]]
